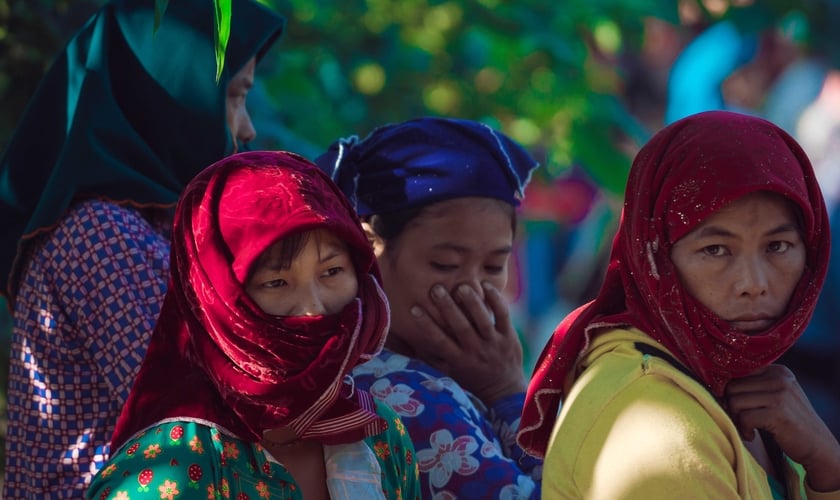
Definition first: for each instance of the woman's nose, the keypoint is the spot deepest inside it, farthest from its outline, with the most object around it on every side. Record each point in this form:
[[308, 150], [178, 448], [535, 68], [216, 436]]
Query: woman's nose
[[471, 280], [310, 304], [245, 130], [752, 279]]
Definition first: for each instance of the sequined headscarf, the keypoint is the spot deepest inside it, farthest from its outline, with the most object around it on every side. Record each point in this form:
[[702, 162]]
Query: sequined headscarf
[[418, 162], [686, 172], [215, 356]]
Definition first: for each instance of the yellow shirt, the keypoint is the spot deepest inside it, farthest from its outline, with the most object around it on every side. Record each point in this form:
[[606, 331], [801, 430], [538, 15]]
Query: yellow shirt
[[634, 426]]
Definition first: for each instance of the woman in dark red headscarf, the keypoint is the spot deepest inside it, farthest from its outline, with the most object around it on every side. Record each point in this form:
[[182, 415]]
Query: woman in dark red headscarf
[[666, 375], [274, 298]]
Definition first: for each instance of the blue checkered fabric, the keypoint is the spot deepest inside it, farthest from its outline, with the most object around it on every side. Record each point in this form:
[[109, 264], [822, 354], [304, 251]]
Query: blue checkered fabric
[[84, 314]]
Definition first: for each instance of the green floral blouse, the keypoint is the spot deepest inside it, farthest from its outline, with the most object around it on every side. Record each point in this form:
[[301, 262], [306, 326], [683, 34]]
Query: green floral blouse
[[182, 459]]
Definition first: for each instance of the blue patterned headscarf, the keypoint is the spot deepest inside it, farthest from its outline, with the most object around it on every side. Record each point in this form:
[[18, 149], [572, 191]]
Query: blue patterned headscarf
[[425, 160]]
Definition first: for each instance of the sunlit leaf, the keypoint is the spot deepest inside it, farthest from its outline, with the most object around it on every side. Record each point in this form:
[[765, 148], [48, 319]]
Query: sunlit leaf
[[223, 12]]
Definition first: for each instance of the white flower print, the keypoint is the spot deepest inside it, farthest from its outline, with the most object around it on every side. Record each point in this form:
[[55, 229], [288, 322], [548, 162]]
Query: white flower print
[[398, 397], [446, 456], [379, 367]]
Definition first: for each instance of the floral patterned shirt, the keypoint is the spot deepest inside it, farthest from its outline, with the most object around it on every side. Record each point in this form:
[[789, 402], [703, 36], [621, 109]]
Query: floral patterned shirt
[[181, 459], [464, 450]]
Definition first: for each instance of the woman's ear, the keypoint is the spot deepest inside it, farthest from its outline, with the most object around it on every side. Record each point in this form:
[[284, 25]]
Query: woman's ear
[[376, 241]]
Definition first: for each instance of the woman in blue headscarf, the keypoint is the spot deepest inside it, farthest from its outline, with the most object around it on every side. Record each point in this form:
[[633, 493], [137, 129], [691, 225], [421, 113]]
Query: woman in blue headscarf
[[438, 200], [124, 118]]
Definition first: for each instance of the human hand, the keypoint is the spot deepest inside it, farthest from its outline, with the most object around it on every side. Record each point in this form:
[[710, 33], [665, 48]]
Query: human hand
[[473, 341], [772, 399]]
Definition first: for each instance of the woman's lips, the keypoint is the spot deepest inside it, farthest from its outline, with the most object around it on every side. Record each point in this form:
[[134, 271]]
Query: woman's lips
[[753, 325]]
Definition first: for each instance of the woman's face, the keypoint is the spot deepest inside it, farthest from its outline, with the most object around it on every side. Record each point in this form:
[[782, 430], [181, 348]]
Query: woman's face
[[319, 280], [744, 261], [238, 118], [453, 242]]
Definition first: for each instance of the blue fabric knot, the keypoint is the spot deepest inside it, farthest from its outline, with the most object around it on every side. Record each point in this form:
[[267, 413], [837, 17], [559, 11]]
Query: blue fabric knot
[[425, 160]]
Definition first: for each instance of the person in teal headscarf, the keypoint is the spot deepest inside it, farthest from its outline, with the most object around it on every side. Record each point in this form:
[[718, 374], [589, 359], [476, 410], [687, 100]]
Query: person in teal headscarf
[[123, 119]]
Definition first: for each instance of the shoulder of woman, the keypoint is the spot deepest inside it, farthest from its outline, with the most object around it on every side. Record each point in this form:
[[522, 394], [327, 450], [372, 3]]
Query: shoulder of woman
[[644, 433], [625, 416], [166, 456], [625, 370], [102, 220]]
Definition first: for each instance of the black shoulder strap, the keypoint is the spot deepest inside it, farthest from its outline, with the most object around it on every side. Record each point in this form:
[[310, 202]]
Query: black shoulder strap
[[659, 353]]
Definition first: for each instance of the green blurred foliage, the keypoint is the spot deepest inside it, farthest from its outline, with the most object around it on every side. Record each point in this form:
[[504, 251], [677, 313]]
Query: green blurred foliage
[[528, 67], [550, 74]]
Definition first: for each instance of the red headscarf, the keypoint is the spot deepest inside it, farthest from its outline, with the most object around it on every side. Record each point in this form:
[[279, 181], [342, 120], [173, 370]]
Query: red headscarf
[[685, 173], [215, 355]]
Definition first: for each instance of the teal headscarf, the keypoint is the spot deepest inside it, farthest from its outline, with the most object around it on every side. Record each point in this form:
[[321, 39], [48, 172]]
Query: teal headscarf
[[125, 113]]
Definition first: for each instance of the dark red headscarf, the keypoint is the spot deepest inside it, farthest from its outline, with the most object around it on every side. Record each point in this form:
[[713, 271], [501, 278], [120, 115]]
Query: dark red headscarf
[[215, 355], [686, 172]]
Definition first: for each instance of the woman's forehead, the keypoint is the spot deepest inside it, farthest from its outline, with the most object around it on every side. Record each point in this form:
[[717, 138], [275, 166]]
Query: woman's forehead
[[759, 210]]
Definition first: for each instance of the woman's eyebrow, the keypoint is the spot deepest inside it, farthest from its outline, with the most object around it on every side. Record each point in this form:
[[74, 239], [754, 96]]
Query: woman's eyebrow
[[331, 251], [463, 249], [715, 231], [725, 233], [784, 228]]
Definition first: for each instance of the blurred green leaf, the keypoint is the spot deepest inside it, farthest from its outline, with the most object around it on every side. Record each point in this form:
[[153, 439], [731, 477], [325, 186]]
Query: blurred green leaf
[[222, 17]]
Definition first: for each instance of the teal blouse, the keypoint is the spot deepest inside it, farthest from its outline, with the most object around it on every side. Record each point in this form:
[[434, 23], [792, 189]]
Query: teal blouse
[[181, 459]]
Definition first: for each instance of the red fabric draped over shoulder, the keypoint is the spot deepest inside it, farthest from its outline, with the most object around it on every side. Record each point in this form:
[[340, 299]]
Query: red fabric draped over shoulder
[[686, 172], [215, 355]]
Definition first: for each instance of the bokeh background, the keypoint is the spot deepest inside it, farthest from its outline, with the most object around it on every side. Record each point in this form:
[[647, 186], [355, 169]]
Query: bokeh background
[[581, 83]]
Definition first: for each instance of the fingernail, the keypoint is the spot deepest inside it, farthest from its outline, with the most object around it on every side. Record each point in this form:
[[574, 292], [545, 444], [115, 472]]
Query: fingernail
[[486, 285], [439, 291], [416, 311], [464, 291]]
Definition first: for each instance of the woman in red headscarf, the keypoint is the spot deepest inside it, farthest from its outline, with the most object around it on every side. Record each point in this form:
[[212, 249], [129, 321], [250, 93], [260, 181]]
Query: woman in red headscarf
[[667, 375], [245, 391]]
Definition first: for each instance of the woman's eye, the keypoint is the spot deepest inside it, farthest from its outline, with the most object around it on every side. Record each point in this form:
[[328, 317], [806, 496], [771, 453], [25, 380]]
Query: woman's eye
[[779, 246], [714, 250], [494, 269], [333, 271], [274, 283], [443, 267]]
